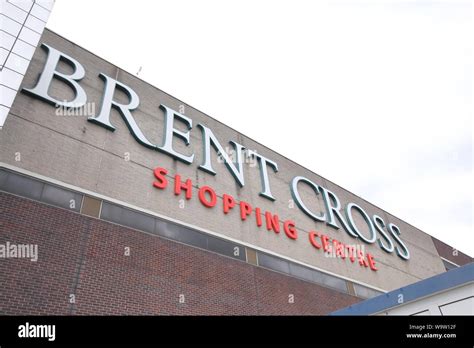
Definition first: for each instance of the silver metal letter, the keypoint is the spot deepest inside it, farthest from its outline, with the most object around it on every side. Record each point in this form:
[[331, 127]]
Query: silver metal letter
[[332, 208], [296, 196], [103, 119], [210, 139], [366, 217], [50, 72], [262, 163], [379, 225], [170, 131], [395, 231]]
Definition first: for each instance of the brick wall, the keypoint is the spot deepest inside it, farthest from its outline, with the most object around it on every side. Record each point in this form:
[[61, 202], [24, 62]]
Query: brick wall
[[86, 257], [450, 253]]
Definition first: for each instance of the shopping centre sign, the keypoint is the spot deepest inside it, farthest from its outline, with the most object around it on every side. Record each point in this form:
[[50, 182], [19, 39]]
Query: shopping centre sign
[[335, 215]]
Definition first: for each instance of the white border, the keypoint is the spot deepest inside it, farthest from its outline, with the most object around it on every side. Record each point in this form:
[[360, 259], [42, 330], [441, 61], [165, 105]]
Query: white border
[[448, 261]]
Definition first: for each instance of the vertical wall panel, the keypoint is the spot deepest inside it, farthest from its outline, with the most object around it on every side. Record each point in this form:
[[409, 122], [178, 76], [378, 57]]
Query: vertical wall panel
[[21, 25]]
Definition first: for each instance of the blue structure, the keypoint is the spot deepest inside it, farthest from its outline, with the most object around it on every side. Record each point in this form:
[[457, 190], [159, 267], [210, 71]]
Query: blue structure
[[412, 292]]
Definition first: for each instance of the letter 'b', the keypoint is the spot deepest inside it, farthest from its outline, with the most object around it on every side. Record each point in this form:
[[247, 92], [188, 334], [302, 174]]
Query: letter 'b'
[[50, 72]]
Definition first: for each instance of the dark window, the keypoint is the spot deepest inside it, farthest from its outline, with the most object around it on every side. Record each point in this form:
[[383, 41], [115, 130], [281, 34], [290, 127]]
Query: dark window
[[274, 263], [127, 217], [226, 248], [181, 234], [301, 271], [23, 186], [61, 198]]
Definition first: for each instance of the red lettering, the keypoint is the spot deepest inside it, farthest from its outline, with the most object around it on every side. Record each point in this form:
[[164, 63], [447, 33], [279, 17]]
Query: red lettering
[[273, 222], [208, 198], [202, 196], [361, 258], [312, 239], [351, 252], [229, 202], [160, 175], [258, 216], [339, 248], [245, 210], [290, 230], [325, 240], [188, 186], [371, 260]]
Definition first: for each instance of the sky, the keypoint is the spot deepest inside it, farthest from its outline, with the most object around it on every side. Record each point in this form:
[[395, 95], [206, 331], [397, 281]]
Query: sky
[[376, 96]]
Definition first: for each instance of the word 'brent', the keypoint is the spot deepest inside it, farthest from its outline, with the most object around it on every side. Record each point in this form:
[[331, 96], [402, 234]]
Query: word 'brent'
[[386, 235]]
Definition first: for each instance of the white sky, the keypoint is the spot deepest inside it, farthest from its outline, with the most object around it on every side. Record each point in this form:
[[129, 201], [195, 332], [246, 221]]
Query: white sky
[[376, 96]]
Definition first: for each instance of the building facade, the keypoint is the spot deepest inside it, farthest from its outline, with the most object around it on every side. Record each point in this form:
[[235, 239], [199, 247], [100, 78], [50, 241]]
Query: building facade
[[137, 203], [449, 293], [21, 25]]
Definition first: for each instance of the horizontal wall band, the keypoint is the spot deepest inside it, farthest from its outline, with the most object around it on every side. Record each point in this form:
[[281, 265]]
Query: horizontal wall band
[[60, 194]]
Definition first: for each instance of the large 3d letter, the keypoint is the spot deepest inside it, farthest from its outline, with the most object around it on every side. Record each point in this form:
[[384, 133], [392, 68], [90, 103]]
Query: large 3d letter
[[349, 208], [167, 147], [103, 119], [404, 253], [262, 162], [210, 139], [49, 72], [296, 196]]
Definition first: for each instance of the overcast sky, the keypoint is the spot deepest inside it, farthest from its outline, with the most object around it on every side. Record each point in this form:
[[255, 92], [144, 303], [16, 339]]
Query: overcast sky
[[376, 96]]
